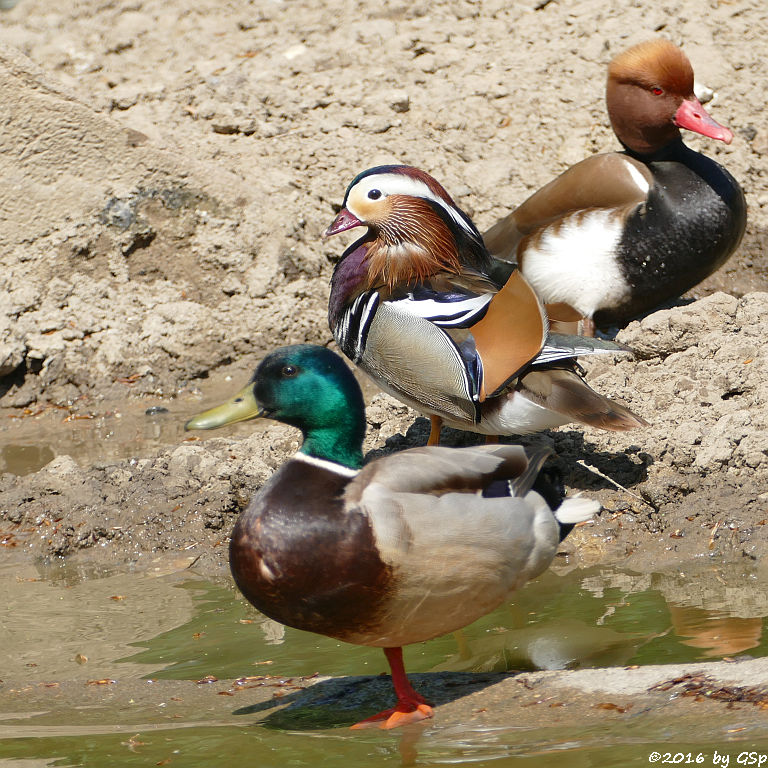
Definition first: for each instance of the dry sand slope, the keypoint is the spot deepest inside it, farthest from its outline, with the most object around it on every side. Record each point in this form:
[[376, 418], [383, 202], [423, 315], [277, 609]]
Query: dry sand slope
[[167, 170]]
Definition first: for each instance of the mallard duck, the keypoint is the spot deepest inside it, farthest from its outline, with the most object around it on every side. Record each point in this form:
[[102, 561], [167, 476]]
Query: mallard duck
[[618, 234], [406, 548], [416, 305]]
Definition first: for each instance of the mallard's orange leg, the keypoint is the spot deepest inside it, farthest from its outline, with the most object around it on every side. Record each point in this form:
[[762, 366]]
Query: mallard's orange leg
[[410, 707], [434, 433]]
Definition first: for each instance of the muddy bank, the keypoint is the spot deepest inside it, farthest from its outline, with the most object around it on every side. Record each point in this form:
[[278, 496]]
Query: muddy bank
[[694, 482], [167, 175], [703, 700], [167, 179]]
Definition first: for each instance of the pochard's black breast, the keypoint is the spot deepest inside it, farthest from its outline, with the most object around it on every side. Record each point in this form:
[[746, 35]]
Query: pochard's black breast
[[299, 558], [693, 220]]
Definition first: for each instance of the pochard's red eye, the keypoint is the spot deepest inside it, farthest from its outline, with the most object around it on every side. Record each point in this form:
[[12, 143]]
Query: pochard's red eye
[[657, 91]]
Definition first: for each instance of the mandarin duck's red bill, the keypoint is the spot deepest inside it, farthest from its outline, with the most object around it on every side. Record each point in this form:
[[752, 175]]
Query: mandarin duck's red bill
[[409, 547], [421, 307], [619, 234], [344, 220]]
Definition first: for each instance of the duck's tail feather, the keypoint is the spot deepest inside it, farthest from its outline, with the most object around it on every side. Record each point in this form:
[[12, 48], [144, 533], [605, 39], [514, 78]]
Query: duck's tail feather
[[562, 390], [577, 509]]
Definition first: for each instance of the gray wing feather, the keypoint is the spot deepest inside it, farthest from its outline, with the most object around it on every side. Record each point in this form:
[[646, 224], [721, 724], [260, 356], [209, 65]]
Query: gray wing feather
[[455, 554], [524, 482], [414, 358], [435, 470], [562, 346]]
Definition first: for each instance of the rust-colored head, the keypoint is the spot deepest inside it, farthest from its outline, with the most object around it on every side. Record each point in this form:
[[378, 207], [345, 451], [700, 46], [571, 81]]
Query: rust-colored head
[[650, 96]]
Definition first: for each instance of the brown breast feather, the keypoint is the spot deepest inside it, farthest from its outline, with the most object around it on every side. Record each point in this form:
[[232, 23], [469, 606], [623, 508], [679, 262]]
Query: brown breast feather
[[412, 244]]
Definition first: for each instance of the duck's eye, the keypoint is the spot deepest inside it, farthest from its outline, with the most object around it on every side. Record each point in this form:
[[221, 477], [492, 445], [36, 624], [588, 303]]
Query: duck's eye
[[657, 91], [289, 371], [374, 194]]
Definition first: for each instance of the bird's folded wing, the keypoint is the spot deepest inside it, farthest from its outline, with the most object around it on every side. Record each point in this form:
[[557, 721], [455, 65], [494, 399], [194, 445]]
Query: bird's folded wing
[[504, 330], [407, 351], [510, 334], [435, 471], [611, 180], [562, 346], [445, 540]]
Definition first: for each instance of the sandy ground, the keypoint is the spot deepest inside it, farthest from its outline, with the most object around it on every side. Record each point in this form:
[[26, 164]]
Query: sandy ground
[[167, 171], [167, 174]]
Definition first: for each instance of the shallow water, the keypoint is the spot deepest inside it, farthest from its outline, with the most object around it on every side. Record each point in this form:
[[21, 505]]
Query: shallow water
[[70, 623], [109, 431], [164, 622]]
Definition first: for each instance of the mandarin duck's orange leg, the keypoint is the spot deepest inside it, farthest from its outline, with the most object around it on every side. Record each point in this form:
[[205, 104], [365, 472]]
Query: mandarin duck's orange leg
[[587, 327], [410, 708], [434, 432]]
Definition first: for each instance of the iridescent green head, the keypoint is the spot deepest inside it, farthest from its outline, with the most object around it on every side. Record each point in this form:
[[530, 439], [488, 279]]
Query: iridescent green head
[[308, 387]]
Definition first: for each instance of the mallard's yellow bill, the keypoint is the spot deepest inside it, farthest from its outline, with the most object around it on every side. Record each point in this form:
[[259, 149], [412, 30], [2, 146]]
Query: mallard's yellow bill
[[242, 407]]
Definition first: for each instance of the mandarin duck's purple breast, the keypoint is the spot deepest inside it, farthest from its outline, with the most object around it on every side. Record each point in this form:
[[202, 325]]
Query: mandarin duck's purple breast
[[348, 280]]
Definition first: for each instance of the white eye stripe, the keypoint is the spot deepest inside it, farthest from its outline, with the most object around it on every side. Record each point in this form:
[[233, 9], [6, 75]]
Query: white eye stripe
[[400, 184]]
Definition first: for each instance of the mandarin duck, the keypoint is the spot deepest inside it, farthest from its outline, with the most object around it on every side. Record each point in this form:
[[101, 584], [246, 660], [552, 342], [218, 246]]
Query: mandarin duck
[[621, 233], [411, 546], [414, 303]]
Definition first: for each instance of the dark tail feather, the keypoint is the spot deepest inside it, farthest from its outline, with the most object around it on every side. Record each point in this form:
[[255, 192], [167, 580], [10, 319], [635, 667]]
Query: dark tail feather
[[562, 390]]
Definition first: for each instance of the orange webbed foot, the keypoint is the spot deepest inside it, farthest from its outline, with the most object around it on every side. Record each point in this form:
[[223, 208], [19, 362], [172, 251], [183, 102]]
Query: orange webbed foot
[[396, 717], [411, 707]]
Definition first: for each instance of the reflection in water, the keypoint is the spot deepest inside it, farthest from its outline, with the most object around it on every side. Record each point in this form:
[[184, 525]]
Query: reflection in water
[[563, 643], [185, 627], [715, 632], [717, 609], [274, 632], [407, 744]]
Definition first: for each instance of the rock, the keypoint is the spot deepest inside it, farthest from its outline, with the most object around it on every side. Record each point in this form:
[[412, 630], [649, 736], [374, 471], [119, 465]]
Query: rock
[[11, 357]]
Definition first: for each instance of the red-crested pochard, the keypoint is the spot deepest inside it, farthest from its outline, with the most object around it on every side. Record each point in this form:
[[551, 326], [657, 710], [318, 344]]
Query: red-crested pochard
[[618, 234]]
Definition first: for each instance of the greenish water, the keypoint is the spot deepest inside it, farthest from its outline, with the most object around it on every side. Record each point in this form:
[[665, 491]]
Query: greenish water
[[581, 619], [170, 624]]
